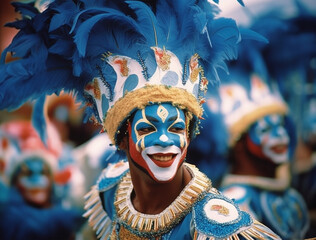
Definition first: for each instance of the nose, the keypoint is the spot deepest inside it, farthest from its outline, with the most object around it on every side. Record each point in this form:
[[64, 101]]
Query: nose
[[163, 140], [35, 178], [280, 131]]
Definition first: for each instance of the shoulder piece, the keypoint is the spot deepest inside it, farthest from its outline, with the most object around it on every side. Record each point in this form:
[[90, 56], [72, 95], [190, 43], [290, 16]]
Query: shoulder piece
[[111, 175], [217, 217], [239, 193], [246, 197], [98, 219]]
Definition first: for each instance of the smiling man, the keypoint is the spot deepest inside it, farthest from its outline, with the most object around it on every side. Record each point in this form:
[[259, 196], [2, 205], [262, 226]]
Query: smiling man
[[260, 141], [142, 68]]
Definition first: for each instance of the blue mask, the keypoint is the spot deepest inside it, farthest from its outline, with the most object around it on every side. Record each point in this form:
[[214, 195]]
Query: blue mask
[[158, 140]]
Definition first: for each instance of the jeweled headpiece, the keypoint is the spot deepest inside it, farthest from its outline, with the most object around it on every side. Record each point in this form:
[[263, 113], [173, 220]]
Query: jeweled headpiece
[[118, 55]]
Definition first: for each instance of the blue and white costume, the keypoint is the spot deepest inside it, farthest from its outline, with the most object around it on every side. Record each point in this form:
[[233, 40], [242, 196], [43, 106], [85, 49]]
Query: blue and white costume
[[199, 212], [121, 57], [283, 210]]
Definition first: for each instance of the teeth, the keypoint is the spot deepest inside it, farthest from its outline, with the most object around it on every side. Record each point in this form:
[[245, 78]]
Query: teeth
[[162, 158]]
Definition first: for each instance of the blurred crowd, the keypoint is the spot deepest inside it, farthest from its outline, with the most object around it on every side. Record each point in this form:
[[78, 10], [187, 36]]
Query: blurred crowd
[[257, 141]]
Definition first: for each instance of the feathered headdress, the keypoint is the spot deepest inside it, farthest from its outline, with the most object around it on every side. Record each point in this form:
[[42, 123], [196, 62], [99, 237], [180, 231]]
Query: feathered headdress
[[243, 98], [247, 93], [117, 55]]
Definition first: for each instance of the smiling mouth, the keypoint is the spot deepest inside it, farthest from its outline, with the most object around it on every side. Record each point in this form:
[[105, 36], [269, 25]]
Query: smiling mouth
[[163, 160], [279, 149]]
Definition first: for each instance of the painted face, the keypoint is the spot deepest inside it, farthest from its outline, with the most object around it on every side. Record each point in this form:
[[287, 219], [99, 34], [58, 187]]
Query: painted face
[[34, 182], [158, 140], [269, 138]]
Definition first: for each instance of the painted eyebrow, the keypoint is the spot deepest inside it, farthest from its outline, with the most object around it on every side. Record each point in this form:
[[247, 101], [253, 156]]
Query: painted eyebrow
[[152, 119], [172, 119]]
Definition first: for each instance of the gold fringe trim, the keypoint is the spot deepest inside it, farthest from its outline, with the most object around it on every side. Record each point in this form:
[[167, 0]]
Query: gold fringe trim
[[145, 223], [97, 217], [257, 231], [141, 97], [239, 127]]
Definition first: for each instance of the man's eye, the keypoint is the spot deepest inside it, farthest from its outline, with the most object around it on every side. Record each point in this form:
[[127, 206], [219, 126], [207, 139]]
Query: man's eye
[[177, 129], [25, 171], [145, 130], [45, 171], [265, 130]]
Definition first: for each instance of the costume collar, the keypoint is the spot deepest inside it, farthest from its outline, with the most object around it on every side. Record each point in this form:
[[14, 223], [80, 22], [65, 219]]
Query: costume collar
[[146, 225]]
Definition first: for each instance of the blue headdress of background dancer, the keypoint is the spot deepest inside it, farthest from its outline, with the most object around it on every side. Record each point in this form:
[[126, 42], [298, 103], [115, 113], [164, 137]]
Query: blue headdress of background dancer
[[290, 59]]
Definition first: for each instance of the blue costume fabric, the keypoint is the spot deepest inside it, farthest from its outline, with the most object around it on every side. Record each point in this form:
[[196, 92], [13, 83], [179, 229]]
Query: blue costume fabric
[[199, 212], [283, 211], [305, 183], [18, 220], [119, 56]]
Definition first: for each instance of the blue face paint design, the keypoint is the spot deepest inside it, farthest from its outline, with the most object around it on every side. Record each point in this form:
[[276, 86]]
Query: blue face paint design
[[34, 174], [270, 134], [158, 140], [34, 182], [161, 125]]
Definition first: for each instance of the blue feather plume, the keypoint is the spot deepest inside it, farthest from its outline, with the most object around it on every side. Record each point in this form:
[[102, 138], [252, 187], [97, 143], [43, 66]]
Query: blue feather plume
[[60, 48], [38, 119]]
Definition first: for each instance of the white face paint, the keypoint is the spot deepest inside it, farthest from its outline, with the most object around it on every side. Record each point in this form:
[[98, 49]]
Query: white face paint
[[270, 134], [162, 167], [158, 140], [276, 150]]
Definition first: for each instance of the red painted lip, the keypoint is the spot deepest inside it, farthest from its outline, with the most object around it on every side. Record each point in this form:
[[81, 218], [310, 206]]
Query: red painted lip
[[161, 159], [36, 190], [279, 149]]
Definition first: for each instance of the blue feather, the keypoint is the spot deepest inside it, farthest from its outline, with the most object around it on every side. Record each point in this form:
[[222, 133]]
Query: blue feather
[[147, 23], [25, 9], [61, 47], [166, 20], [64, 16], [28, 81], [86, 14], [109, 20], [248, 34], [38, 119], [224, 34]]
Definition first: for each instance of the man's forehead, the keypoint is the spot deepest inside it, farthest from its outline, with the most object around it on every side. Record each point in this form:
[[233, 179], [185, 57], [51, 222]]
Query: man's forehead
[[162, 111], [271, 119], [35, 163]]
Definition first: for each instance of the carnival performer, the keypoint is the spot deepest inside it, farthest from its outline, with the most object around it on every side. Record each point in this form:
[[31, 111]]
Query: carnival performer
[[261, 145], [28, 208], [290, 57], [142, 68]]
